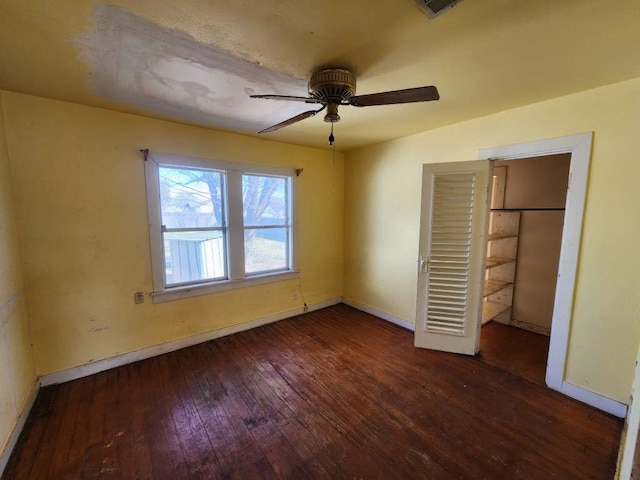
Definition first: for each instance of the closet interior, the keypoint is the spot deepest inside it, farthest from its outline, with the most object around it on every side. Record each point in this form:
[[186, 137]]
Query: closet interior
[[523, 252]]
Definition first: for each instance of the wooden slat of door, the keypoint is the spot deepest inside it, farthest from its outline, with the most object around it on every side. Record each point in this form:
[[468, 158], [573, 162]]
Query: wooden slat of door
[[450, 244]]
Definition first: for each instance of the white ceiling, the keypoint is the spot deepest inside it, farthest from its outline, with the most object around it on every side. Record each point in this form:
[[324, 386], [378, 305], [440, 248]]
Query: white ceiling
[[197, 61]]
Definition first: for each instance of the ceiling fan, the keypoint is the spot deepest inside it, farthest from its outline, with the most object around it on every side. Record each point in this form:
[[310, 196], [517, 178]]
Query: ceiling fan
[[333, 87]]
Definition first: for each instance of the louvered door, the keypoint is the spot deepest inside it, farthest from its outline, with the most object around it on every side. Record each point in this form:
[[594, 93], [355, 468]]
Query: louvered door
[[452, 254]]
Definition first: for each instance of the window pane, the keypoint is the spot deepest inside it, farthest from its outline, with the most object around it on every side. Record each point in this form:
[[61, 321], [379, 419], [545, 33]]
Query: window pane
[[193, 256], [264, 200], [190, 198], [265, 249]]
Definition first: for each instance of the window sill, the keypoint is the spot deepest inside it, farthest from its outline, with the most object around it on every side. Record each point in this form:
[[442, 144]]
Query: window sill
[[177, 293]]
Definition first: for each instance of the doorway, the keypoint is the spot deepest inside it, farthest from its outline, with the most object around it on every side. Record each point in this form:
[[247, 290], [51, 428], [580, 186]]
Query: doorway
[[579, 146], [466, 321], [524, 238]]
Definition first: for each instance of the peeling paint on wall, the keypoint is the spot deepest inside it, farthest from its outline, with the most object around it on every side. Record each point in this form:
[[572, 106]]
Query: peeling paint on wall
[[17, 365], [168, 72]]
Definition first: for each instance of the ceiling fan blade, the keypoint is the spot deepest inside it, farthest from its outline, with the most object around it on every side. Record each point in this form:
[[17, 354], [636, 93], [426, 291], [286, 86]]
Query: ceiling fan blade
[[297, 118], [288, 98], [410, 95]]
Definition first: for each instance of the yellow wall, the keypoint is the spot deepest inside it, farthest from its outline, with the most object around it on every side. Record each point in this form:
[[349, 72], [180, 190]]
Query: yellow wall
[[81, 212], [17, 368], [382, 199]]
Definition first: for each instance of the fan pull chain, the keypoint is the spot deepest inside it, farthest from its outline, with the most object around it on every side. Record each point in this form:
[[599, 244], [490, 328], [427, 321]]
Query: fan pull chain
[[332, 141], [333, 147]]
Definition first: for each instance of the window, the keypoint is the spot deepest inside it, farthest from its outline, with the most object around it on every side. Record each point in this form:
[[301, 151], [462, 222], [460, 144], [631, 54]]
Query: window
[[193, 228], [265, 215], [217, 225]]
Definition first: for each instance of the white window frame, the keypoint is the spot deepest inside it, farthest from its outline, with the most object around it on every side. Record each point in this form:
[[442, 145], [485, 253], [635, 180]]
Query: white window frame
[[235, 227]]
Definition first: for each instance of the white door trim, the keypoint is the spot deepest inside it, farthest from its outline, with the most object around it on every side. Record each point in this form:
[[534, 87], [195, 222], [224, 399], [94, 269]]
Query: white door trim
[[630, 432], [579, 146]]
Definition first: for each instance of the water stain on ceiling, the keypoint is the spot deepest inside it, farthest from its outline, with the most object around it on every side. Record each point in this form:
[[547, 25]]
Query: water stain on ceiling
[[167, 72]]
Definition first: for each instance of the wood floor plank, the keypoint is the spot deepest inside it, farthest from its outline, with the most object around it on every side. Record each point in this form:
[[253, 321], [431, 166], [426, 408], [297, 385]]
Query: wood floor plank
[[258, 376], [307, 424], [81, 428], [39, 467], [65, 433], [214, 422], [196, 445], [519, 351], [127, 460], [331, 394], [105, 460], [166, 453], [36, 425], [250, 415], [239, 452], [139, 411]]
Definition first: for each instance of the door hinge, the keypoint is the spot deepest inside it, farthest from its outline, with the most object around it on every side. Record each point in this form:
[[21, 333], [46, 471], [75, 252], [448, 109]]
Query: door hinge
[[423, 265]]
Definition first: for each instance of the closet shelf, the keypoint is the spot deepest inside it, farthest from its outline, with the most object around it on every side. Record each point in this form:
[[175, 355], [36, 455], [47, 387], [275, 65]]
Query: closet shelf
[[493, 262], [491, 310], [499, 282], [493, 286]]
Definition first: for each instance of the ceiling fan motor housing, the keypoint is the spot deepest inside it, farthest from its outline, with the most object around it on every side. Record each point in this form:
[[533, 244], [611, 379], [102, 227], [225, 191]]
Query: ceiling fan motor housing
[[332, 87]]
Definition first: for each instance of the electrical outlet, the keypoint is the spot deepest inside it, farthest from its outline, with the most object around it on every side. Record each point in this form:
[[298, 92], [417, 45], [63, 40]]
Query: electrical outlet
[[305, 308], [294, 294], [138, 297]]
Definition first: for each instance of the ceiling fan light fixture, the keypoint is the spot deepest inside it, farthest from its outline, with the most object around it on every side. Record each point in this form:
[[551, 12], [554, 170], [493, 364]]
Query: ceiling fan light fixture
[[332, 113]]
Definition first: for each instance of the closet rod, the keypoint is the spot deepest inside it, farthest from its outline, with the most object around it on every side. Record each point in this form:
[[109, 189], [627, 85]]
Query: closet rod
[[528, 209]]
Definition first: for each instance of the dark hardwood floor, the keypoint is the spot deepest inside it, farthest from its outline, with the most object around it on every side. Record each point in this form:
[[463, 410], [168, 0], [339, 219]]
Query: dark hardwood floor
[[518, 351], [335, 394]]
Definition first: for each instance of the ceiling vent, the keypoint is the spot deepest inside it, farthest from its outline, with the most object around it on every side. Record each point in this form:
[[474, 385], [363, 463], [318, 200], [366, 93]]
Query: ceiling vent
[[436, 7]]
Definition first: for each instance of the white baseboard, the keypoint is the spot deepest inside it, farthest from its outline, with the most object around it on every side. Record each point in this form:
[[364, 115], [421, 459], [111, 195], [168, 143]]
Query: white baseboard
[[378, 313], [142, 354], [596, 400], [17, 429]]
